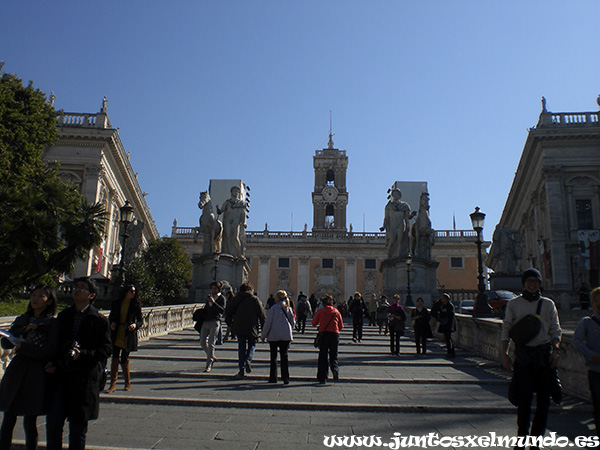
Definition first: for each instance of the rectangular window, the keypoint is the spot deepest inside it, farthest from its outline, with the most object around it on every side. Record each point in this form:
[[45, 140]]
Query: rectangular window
[[584, 214], [456, 263], [283, 263], [370, 264], [327, 263]]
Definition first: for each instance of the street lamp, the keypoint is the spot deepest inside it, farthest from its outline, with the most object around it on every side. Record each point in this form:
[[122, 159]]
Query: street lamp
[[409, 301], [126, 218], [482, 307]]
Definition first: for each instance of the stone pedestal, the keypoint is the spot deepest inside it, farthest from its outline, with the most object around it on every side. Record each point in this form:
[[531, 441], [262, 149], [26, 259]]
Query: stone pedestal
[[233, 270], [505, 282], [423, 279]]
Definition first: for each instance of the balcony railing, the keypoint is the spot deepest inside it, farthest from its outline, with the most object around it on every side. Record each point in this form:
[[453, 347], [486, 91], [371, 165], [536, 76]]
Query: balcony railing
[[191, 232], [549, 119], [84, 120]]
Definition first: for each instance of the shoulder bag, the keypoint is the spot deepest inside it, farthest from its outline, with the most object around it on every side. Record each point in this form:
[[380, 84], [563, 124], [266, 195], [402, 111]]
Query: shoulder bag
[[199, 316], [319, 336], [527, 327]]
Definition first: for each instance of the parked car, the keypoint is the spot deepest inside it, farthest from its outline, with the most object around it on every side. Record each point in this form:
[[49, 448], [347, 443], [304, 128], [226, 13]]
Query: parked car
[[466, 306], [498, 300]]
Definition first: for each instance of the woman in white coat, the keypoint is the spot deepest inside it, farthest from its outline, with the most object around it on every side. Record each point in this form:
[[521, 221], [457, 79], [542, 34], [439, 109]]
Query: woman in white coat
[[277, 330]]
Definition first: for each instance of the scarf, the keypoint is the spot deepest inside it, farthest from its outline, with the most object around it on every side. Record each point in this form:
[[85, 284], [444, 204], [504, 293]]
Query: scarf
[[531, 297]]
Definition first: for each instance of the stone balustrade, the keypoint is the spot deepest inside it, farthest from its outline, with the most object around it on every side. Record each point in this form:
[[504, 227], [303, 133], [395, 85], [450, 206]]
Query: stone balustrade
[[348, 235], [455, 234], [483, 336], [548, 119], [158, 321], [84, 120]]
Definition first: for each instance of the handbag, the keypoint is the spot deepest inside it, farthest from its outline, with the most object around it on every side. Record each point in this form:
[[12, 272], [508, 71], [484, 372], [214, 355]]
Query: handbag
[[555, 386], [319, 337], [513, 391], [199, 316], [527, 327], [397, 325], [103, 375]]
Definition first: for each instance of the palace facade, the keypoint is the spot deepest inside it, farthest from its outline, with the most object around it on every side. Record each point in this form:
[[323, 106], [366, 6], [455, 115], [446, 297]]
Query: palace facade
[[332, 259], [554, 201], [90, 155]]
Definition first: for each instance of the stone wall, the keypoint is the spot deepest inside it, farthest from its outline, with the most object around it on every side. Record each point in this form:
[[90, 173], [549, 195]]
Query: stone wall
[[158, 321], [483, 336]]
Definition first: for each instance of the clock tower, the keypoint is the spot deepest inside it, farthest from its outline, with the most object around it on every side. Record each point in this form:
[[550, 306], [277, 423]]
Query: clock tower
[[329, 196]]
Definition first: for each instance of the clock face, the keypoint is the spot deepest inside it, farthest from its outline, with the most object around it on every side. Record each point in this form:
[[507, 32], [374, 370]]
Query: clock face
[[330, 193]]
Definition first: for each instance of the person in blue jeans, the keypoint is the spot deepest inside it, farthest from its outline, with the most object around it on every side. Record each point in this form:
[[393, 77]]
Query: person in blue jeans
[[587, 340], [247, 316]]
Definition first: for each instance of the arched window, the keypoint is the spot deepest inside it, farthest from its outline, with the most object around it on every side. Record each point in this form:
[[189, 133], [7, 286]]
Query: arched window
[[329, 213], [330, 177]]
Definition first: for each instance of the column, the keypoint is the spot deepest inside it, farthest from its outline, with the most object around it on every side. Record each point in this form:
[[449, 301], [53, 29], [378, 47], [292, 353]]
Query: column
[[350, 277], [303, 275], [262, 290]]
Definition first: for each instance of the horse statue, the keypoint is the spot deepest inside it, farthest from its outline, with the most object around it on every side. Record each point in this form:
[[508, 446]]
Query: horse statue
[[210, 227], [421, 234]]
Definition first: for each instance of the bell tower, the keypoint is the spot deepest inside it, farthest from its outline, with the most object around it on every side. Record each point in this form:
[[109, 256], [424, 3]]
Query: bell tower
[[329, 196]]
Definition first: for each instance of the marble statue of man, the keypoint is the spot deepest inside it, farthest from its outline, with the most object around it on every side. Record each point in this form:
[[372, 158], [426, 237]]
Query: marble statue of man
[[234, 224], [396, 225]]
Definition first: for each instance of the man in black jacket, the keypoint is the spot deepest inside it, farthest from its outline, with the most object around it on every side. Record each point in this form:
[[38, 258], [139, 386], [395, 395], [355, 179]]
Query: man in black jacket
[[84, 346], [247, 315]]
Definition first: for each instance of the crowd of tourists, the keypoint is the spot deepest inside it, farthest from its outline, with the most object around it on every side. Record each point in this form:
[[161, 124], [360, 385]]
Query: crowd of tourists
[[58, 368]]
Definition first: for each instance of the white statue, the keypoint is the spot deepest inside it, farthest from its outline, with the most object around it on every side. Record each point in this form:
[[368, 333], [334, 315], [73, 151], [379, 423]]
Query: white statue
[[234, 224], [421, 234], [210, 227], [396, 225]]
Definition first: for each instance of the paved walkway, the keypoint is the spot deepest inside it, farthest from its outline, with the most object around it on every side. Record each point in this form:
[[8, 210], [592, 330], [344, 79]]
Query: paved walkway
[[174, 405]]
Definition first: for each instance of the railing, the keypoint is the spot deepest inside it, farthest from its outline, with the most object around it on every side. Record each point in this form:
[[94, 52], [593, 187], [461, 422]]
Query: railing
[[312, 235], [349, 235], [158, 321], [569, 119], [183, 231], [84, 120], [455, 234], [484, 337]]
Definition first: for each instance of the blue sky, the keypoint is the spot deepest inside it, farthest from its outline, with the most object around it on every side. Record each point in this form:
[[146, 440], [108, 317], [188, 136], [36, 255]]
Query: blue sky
[[436, 91]]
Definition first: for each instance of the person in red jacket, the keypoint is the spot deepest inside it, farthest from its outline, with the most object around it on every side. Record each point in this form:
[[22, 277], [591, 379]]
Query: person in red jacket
[[330, 324]]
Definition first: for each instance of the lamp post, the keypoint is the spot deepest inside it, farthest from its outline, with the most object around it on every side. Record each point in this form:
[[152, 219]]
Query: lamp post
[[409, 301], [216, 257], [482, 307], [126, 218]]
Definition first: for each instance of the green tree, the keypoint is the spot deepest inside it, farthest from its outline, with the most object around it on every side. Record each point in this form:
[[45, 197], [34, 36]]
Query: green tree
[[161, 272], [45, 224]]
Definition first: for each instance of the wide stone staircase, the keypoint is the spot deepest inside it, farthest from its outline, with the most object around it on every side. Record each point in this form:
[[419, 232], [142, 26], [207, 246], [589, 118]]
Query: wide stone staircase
[[173, 404]]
